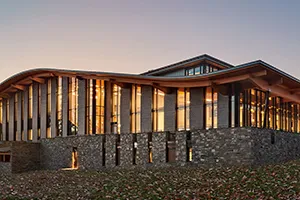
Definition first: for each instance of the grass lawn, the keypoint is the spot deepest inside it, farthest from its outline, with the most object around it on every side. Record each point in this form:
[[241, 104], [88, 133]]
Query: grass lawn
[[268, 182]]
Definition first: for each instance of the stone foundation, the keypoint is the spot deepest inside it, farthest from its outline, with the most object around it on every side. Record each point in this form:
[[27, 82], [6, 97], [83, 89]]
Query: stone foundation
[[215, 147], [25, 156]]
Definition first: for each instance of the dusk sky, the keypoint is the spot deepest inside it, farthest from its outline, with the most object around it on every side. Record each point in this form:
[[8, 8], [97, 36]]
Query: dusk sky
[[136, 36]]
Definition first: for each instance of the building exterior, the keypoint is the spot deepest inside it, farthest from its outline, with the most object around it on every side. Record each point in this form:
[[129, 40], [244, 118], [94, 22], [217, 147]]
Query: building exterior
[[196, 111]]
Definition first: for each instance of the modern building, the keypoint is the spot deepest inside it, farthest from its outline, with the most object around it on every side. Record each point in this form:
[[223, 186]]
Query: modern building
[[66, 111]]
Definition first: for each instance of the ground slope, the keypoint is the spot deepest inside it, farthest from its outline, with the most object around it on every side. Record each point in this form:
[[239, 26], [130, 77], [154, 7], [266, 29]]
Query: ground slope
[[268, 182]]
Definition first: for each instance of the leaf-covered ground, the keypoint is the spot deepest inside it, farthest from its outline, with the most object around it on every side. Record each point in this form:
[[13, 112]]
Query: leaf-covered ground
[[268, 182]]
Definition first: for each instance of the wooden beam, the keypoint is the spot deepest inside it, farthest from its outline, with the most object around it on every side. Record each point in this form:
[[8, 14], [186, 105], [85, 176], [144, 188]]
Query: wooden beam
[[37, 79], [166, 90], [278, 91], [276, 82], [266, 110], [48, 74], [19, 87], [240, 78], [186, 84], [4, 95], [120, 84], [294, 91]]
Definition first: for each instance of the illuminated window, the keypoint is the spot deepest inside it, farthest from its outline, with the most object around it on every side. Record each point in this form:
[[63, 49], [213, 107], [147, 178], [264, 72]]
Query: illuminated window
[[100, 106], [48, 135], [74, 158], [158, 110], [39, 111], [30, 109], [116, 109], [202, 69], [16, 107], [183, 109], [73, 106], [136, 109], [95, 107], [17, 112], [211, 108], [1, 121], [197, 70], [59, 106]]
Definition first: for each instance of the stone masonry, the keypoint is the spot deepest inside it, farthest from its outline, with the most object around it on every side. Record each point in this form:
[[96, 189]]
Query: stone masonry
[[213, 147]]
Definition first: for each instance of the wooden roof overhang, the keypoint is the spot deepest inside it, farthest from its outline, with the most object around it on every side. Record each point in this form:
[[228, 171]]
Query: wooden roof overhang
[[258, 74]]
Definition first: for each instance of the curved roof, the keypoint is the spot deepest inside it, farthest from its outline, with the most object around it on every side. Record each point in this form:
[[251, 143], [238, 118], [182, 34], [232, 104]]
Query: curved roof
[[270, 76]]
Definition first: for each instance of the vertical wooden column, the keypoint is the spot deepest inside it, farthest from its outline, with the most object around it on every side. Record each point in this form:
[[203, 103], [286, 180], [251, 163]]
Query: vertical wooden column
[[170, 111], [108, 101], [11, 135], [35, 111], [146, 109], [44, 102], [81, 106], [53, 107], [65, 106], [4, 119], [197, 108], [125, 110], [26, 109], [19, 120], [223, 111]]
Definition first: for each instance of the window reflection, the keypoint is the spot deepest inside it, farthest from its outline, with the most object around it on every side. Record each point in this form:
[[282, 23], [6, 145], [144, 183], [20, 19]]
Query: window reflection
[[48, 135], [95, 106], [202, 69], [30, 107], [73, 106], [183, 109], [136, 109], [59, 106], [158, 110], [279, 115], [211, 108], [116, 109]]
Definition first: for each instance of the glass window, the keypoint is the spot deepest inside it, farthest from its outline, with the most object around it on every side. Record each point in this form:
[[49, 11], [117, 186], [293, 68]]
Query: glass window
[[1, 120], [208, 107], [191, 72], [253, 104], [1, 112], [136, 109], [30, 108], [59, 106], [48, 135], [158, 110], [197, 70], [16, 107], [116, 109], [215, 109], [201, 69], [183, 109], [232, 101], [73, 106], [95, 106], [100, 106]]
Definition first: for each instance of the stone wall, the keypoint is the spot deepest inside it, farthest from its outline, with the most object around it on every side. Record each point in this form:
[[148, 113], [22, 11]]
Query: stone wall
[[56, 153], [269, 146], [5, 168], [214, 147], [24, 157]]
